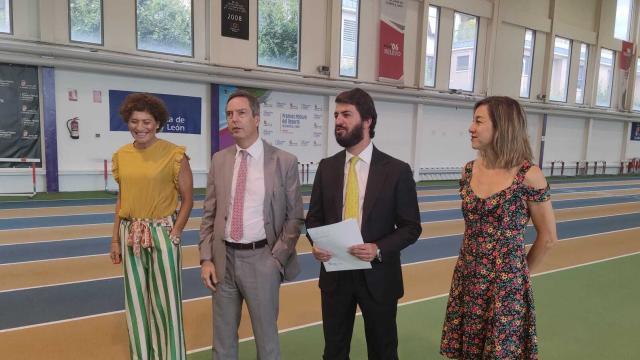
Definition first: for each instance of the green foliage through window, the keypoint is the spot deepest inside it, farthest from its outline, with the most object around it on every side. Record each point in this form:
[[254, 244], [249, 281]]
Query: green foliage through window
[[85, 17], [278, 33], [165, 26]]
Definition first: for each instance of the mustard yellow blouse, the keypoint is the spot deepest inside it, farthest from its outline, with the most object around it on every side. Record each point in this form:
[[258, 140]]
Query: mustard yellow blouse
[[148, 179]]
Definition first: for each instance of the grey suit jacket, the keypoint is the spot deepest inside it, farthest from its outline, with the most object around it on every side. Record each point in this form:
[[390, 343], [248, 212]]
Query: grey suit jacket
[[283, 211]]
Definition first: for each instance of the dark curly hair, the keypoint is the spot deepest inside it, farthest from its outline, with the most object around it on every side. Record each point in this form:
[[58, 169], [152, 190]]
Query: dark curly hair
[[145, 102]]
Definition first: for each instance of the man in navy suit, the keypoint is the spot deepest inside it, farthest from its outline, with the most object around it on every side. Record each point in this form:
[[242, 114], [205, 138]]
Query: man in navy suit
[[379, 192]]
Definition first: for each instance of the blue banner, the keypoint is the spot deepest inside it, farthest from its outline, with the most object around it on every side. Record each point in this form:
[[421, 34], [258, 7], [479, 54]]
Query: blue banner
[[185, 112], [635, 131]]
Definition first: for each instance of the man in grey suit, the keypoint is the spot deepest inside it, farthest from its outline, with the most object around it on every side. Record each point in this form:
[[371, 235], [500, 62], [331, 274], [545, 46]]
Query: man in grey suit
[[250, 227]]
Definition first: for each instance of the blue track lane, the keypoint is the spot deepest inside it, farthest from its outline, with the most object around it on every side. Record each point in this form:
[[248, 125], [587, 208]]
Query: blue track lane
[[28, 204], [59, 302], [95, 246], [102, 218]]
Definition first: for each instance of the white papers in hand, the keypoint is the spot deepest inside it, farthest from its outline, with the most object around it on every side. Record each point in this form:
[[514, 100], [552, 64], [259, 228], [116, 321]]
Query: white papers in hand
[[336, 239]]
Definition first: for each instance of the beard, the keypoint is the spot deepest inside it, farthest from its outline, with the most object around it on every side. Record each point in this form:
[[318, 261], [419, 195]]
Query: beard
[[349, 138]]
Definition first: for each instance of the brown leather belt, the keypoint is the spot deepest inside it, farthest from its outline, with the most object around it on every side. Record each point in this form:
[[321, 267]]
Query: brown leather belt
[[250, 246]]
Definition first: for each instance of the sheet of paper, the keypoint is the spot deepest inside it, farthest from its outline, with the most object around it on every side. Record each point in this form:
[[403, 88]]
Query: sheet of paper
[[337, 238]]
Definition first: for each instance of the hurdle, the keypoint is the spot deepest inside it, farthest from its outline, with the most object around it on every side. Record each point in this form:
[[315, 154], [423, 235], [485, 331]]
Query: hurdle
[[33, 175]]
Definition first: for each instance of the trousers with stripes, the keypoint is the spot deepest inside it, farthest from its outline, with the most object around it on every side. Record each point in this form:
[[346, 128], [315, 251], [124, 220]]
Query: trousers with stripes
[[153, 296]]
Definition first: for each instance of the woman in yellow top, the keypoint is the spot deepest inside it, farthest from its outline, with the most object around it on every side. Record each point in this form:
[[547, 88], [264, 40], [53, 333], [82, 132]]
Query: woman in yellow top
[[151, 173]]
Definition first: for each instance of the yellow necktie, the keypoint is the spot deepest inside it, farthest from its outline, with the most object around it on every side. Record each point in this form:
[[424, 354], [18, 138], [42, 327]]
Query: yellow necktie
[[351, 203]]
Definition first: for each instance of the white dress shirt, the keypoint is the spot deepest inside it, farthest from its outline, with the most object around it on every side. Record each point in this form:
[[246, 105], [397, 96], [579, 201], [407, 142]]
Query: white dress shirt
[[253, 214], [362, 170]]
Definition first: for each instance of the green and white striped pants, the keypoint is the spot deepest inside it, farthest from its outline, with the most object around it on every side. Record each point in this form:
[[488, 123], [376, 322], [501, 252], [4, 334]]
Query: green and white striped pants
[[153, 296]]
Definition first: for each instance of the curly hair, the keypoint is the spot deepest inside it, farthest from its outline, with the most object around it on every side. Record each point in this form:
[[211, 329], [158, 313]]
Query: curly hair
[[145, 102]]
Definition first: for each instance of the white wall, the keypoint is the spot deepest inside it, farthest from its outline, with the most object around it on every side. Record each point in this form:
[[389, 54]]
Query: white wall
[[565, 139], [633, 149], [86, 154], [394, 129], [534, 131], [445, 138], [606, 141]]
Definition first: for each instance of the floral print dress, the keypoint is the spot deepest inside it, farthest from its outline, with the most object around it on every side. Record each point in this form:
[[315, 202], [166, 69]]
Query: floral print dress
[[490, 313]]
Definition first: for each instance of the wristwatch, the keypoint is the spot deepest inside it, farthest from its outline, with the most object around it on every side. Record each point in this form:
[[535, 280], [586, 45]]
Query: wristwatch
[[379, 255]]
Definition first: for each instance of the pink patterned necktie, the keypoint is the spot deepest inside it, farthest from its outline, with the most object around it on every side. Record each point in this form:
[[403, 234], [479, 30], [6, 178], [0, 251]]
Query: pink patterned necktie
[[238, 198]]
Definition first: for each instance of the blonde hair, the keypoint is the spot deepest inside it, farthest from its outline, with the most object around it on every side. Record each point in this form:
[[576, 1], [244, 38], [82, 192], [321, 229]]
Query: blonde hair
[[510, 145]]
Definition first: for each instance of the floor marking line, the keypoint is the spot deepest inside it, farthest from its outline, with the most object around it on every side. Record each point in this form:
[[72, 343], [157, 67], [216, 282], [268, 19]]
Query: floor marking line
[[307, 325], [425, 222], [429, 298]]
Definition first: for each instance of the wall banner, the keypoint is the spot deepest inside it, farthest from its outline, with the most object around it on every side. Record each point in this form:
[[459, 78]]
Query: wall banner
[[19, 114], [391, 47], [185, 112], [235, 19], [291, 122], [625, 59]]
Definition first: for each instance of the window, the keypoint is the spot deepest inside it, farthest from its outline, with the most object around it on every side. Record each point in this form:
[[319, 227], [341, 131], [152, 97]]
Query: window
[[605, 77], [432, 47], [623, 20], [636, 88], [582, 73], [279, 33], [5, 17], [85, 21], [560, 69], [462, 63], [165, 26], [465, 32], [349, 38], [527, 62]]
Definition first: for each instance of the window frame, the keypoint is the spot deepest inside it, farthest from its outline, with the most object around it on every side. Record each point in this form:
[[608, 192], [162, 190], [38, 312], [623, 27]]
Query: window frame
[[586, 71], [101, 43], [135, 5], [357, 57], [628, 20], [533, 52], [435, 47], [297, 69], [475, 51], [611, 81], [10, 32], [636, 90], [566, 82]]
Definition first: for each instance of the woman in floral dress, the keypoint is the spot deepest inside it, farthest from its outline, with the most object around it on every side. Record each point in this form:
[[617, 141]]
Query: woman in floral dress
[[490, 314]]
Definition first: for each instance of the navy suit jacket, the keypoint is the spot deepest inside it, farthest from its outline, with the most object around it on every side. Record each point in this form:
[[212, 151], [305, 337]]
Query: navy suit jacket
[[390, 217]]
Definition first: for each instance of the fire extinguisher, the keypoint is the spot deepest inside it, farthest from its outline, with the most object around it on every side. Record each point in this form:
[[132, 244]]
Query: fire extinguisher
[[72, 126]]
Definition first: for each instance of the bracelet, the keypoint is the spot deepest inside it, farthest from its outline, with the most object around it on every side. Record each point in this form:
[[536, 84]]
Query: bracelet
[[175, 239]]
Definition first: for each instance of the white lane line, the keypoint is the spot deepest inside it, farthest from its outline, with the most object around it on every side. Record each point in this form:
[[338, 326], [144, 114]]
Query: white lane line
[[53, 228], [293, 328], [53, 241], [302, 253], [56, 215], [315, 323], [453, 193], [554, 201], [60, 321]]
